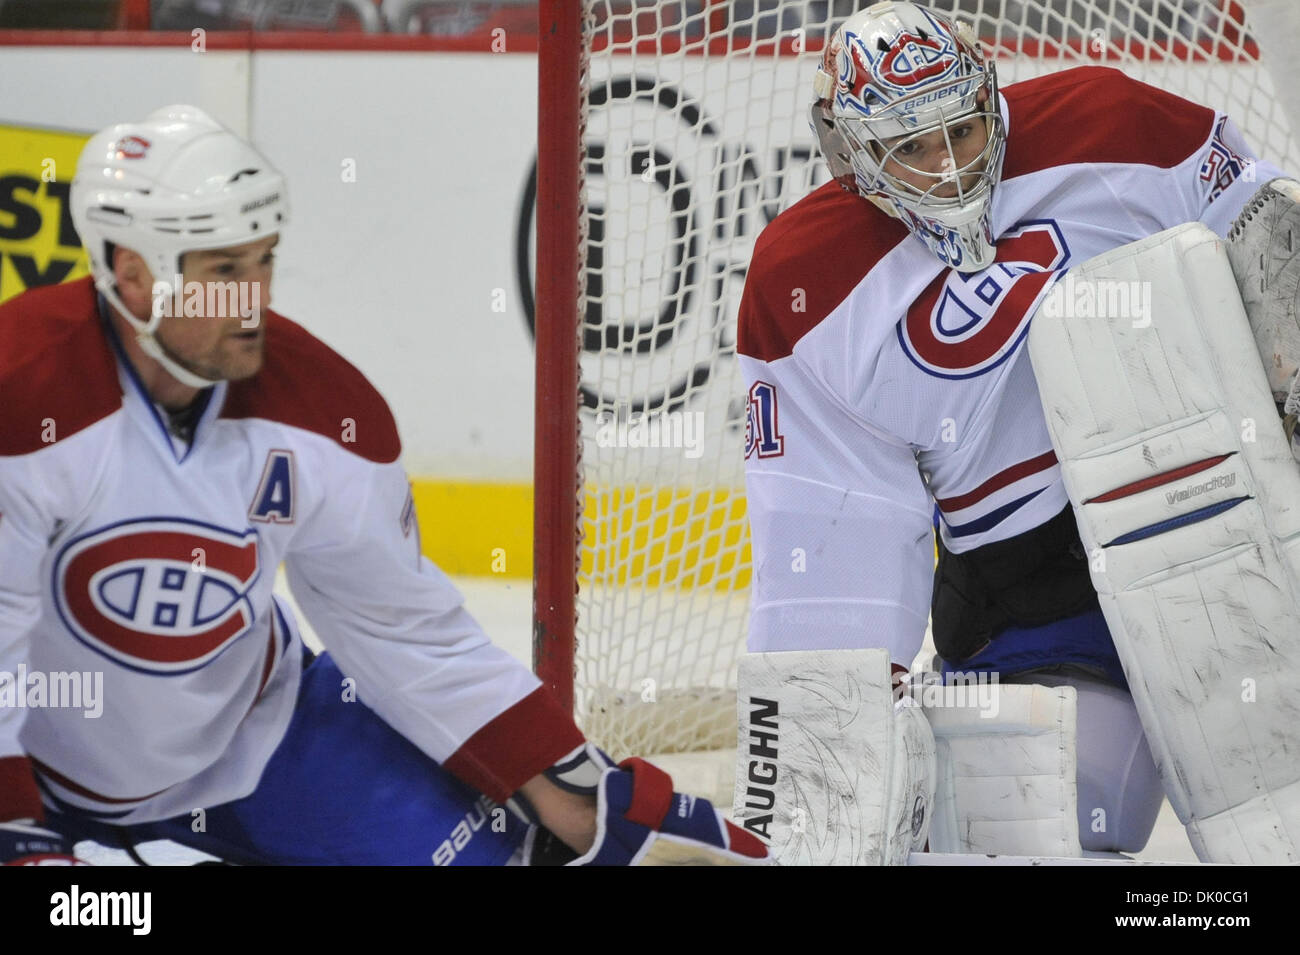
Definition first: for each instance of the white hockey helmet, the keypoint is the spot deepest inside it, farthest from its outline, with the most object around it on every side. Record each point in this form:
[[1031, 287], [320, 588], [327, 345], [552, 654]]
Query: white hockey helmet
[[890, 74], [177, 182]]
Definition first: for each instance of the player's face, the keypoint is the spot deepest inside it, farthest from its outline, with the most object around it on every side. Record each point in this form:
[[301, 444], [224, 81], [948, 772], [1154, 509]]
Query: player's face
[[923, 161], [222, 343]]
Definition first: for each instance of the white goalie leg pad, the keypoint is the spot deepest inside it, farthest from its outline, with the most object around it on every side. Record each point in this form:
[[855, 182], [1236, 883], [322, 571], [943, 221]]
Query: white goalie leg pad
[[1006, 769], [1188, 502], [830, 770]]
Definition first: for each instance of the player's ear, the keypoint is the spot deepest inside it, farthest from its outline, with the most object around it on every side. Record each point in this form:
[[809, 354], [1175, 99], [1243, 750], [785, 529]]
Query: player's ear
[[133, 279], [127, 266]]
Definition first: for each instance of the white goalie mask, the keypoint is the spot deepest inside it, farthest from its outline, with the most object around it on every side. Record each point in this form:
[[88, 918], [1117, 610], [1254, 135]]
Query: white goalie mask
[[891, 77], [177, 182]]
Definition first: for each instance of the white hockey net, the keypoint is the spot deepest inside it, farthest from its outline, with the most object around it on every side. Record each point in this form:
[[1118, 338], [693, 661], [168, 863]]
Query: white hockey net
[[697, 137]]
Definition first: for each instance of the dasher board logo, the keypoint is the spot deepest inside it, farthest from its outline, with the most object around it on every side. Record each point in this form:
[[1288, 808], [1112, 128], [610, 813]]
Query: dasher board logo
[[663, 296], [38, 243], [162, 595]]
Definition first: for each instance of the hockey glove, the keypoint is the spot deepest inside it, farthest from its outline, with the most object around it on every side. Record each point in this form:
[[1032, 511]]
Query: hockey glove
[[641, 821]]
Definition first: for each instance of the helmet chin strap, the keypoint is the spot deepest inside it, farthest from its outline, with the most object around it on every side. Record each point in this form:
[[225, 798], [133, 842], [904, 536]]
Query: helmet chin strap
[[154, 349], [144, 336], [883, 203]]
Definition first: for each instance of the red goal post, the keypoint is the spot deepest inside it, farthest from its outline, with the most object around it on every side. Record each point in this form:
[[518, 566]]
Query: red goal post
[[669, 133]]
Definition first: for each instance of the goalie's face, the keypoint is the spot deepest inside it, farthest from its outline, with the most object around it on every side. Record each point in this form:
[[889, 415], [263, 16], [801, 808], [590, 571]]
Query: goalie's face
[[941, 164], [939, 180], [906, 113]]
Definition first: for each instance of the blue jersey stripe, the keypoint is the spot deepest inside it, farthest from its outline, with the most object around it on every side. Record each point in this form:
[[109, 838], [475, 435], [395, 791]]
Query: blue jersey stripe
[[992, 518]]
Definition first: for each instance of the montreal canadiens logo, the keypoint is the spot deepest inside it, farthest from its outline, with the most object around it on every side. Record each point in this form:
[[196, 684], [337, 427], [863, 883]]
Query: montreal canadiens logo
[[914, 59], [963, 325], [132, 147], [867, 75], [165, 595], [854, 67]]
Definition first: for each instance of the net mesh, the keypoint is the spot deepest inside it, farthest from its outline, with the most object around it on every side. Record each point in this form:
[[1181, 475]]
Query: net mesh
[[696, 138]]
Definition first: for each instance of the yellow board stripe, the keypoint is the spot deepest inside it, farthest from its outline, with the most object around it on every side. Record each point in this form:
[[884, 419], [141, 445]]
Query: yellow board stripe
[[666, 537], [476, 529], [652, 536]]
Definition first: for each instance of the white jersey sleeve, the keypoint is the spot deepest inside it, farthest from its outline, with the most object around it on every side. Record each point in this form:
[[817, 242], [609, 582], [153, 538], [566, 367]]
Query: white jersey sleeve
[[22, 546], [1227, 174], [392, 620]]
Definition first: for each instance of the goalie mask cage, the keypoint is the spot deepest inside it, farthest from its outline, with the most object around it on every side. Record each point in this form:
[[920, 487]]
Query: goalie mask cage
[[670, 133]]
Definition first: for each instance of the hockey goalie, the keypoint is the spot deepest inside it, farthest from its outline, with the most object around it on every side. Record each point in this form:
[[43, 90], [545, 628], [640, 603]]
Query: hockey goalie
[[1112, 497]]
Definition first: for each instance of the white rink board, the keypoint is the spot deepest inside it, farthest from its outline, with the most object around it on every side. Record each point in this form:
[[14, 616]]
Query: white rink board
[[402, 269]]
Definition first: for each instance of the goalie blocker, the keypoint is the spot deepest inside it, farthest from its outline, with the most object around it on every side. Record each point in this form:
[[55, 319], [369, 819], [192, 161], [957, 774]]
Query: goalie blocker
[[1188, 501]]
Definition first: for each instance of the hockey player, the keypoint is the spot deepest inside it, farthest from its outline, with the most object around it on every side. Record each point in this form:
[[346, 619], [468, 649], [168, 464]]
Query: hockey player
[[161, 455], [898, 392]]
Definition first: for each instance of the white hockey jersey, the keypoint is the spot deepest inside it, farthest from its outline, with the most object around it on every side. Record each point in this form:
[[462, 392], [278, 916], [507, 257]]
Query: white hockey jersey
[[128, 553], [882, 383]]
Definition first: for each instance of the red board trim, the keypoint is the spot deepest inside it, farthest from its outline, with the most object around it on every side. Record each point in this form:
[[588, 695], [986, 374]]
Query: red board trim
[[482, 43], [303, 40]]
